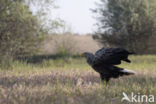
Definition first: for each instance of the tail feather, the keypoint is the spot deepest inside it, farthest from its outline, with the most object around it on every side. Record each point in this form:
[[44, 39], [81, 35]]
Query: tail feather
[[127, 72]]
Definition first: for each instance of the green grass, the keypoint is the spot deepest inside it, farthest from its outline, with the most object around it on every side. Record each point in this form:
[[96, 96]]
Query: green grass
[[72, 81]]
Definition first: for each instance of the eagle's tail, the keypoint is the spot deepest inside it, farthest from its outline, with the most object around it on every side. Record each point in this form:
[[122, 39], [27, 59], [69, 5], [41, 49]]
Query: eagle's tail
[[121, 72], [127, 72]]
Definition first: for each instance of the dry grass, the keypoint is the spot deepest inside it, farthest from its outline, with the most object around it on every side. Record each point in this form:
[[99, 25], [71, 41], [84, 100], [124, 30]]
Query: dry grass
[[75, 84]]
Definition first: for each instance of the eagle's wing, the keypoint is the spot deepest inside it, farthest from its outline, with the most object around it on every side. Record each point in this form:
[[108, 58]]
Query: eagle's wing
[[111, 56]]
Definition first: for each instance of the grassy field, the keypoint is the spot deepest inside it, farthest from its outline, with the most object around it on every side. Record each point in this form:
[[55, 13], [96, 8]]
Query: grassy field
[[72, 81]]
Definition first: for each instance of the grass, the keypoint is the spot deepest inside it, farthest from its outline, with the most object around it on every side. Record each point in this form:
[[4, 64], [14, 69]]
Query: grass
[[72, 81]]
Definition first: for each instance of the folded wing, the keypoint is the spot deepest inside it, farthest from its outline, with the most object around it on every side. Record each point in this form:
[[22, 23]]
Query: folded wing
[[111, 56]]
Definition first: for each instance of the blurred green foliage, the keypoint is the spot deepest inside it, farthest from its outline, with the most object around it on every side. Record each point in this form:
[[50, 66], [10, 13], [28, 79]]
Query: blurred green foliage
[[126, 23], [21, 30]]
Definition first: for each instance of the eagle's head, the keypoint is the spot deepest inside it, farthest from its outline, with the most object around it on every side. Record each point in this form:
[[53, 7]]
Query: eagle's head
[[89, 57]]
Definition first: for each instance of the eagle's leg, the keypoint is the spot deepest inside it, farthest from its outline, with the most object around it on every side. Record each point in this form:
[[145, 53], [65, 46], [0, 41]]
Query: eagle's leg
[[104, 78]]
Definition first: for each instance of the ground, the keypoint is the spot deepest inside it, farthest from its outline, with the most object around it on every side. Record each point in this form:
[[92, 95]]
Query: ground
[[72, 81]]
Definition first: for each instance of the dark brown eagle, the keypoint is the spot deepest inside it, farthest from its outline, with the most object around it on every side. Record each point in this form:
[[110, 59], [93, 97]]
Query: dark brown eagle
[[104, 61]]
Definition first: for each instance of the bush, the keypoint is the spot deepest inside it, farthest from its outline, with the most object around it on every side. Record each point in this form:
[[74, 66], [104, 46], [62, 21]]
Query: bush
[[65, 45]]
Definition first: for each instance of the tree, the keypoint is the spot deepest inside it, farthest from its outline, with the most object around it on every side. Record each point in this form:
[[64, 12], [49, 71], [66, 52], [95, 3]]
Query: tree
[[126, 23], [21, 31]]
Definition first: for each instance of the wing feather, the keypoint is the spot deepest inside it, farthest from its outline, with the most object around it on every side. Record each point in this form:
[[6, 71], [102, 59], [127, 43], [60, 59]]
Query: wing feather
[[111, 56]]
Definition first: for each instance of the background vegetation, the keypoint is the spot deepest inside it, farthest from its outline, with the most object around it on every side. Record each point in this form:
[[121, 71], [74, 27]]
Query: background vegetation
[[38, 65], [126, 23], [21, 30]]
